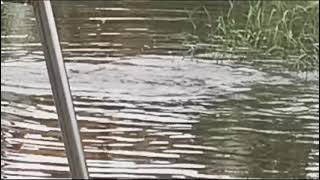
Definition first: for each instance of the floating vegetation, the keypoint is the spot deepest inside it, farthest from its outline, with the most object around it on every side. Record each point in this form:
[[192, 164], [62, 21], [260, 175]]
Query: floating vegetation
[[287, 30]]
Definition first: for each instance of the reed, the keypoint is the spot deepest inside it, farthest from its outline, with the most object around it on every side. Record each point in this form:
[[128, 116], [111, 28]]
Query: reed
[[288, 30]]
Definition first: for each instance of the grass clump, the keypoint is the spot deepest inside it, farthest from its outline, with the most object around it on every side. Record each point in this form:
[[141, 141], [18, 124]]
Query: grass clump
[[285, 29]]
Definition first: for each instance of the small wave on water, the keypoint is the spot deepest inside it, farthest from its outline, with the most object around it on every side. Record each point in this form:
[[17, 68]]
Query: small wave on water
[[143, 110]]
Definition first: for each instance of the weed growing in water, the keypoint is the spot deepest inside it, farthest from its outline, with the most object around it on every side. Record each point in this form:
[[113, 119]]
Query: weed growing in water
[[284, 29]]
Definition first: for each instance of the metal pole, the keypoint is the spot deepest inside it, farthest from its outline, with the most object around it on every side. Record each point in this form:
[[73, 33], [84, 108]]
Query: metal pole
[[60, 88]]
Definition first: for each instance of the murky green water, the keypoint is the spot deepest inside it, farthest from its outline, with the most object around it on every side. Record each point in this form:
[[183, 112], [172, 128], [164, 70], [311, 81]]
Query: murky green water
[[144, 110]]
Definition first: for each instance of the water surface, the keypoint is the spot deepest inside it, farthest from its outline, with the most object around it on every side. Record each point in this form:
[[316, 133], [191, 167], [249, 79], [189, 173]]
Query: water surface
[[144, 110]]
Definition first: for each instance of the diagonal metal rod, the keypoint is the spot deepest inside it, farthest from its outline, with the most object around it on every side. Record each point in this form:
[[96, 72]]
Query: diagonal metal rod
[[60, 88]]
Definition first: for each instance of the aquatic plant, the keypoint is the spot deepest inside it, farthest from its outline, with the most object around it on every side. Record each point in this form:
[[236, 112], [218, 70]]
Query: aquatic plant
[[283, 29]]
